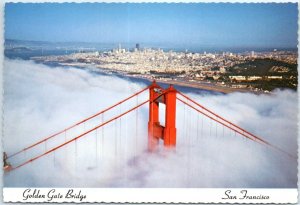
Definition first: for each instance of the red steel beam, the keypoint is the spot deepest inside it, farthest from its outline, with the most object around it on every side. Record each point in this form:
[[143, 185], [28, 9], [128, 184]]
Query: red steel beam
[[170, 118], [154, 127]]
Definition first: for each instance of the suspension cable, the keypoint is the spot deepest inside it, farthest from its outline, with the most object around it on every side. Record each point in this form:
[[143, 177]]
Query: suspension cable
[[211, 112], [78, 123], [240, 131], [79, 136]]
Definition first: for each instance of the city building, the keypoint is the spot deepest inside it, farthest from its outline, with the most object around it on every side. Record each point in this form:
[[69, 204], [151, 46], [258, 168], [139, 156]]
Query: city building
[[137, 46]]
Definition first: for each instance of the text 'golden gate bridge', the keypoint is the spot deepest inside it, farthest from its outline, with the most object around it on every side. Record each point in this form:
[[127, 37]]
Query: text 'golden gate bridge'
[[156, 131]]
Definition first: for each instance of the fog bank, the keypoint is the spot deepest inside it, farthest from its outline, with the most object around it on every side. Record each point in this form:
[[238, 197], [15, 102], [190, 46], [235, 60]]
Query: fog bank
[[41, 100]]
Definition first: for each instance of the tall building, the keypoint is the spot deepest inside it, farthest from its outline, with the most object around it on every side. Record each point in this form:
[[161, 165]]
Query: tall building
[[137, 46]]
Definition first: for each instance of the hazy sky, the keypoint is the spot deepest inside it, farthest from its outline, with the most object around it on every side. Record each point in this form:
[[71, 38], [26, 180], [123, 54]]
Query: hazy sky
[[218, 25]]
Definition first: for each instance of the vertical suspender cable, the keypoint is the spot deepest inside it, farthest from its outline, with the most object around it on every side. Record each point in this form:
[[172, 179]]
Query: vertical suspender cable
[[197, 127], [216, 129], [136, 127], [96, 133], [102, 139]]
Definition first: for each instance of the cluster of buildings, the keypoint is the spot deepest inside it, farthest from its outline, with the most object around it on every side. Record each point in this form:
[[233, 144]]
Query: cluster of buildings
[[239, 78], [145, 60], [185, 65]]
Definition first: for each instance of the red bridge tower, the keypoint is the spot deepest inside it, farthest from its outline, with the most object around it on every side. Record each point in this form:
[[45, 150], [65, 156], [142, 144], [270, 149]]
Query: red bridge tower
[[155, 130]]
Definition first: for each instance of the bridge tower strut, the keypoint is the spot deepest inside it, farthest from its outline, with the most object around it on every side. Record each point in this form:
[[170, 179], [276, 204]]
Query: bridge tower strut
[[155, 130]]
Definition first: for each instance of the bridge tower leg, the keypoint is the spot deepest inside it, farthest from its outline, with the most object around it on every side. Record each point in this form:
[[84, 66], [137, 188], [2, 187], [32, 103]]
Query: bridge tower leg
[[153, 118], [170, 118]]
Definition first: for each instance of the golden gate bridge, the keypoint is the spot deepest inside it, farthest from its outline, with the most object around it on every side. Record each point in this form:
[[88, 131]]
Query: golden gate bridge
[[161, 135]]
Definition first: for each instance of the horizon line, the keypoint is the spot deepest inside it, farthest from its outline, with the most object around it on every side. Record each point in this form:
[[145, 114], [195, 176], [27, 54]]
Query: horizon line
[[162, 43]]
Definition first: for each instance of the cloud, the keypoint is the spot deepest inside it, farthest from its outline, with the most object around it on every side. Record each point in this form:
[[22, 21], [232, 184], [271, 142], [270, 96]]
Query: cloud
[[40, 100]]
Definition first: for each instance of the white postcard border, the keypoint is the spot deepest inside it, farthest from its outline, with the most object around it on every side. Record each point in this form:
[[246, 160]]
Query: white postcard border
[[150, 195]]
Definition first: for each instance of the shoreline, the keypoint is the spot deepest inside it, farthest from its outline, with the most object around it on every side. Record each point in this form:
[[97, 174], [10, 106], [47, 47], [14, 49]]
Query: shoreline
[[196, 84], [203, 86]]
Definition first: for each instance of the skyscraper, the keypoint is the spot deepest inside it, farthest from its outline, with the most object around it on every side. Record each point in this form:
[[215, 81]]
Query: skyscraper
[[137, 46]]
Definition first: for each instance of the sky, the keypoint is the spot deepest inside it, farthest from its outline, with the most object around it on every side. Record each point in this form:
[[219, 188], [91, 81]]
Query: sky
[[266, 25]]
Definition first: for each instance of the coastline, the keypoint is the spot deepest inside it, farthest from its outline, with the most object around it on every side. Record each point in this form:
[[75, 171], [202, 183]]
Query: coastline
[[211, 87], [196, 84], [263, 79]]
